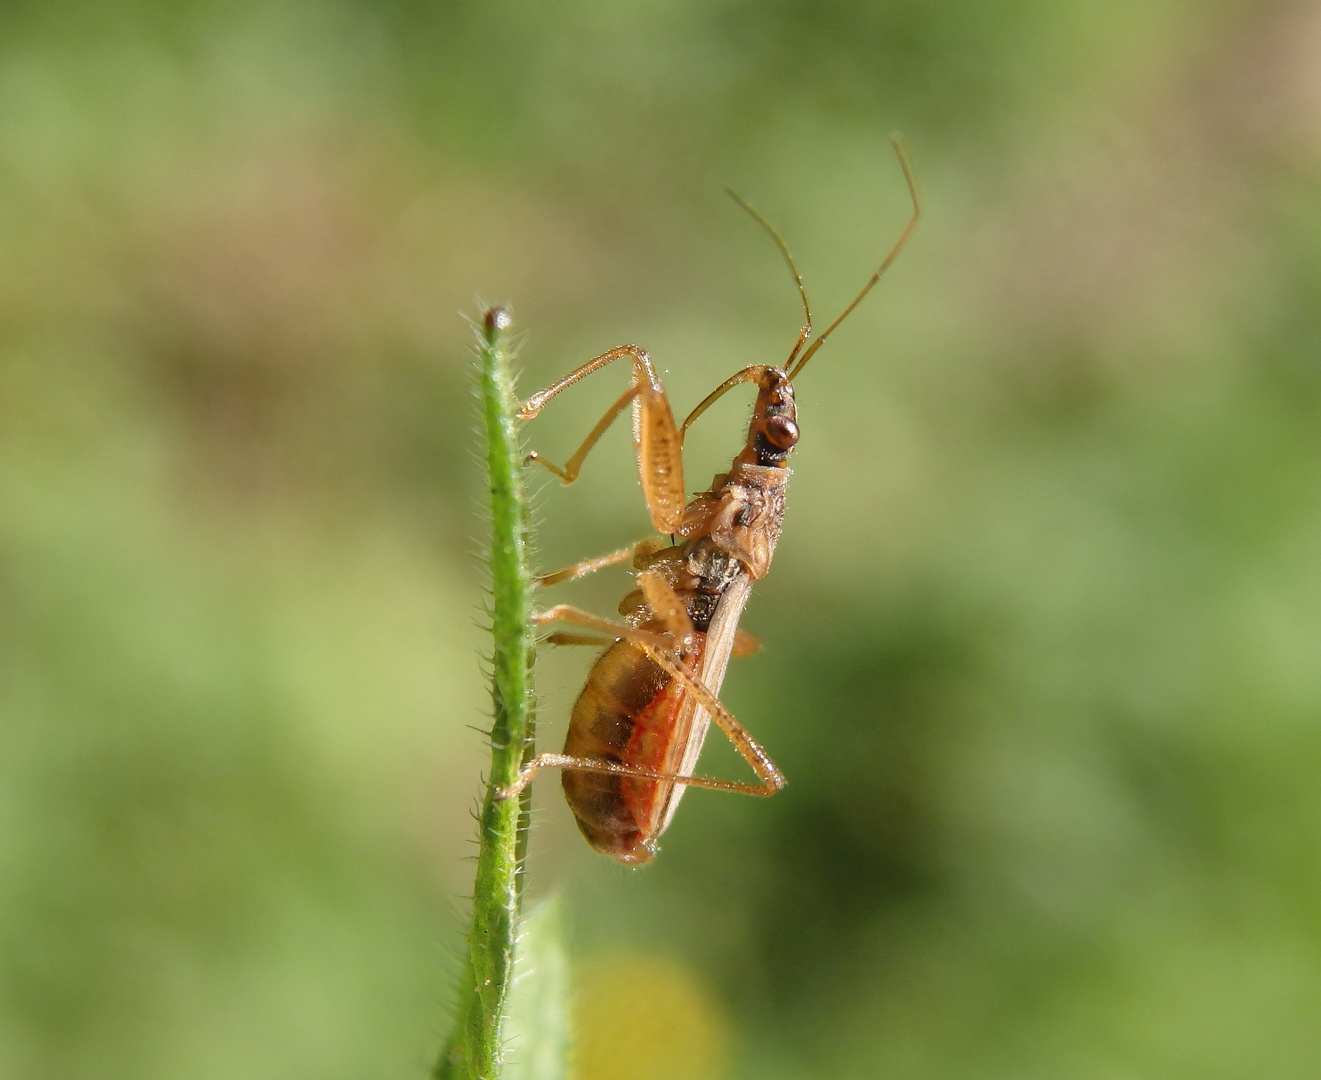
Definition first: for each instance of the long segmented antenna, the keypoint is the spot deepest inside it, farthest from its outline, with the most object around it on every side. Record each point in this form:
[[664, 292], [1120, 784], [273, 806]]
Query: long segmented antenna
[[806, 331], [885, 264]]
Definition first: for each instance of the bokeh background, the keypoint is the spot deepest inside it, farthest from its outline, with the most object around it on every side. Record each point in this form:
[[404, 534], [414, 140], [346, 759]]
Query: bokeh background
[[1043, 638]]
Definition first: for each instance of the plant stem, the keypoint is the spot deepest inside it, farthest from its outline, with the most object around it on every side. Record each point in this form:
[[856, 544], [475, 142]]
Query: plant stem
[[475, 1050]]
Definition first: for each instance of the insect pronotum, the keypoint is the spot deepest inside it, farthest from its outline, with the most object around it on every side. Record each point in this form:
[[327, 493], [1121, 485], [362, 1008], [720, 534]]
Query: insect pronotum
[[638, 726]]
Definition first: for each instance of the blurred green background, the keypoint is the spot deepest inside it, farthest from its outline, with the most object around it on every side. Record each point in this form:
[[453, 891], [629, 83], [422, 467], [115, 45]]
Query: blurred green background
[[1043, 638]]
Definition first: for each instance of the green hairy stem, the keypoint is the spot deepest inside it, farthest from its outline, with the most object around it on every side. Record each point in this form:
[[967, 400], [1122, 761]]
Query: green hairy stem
[[475, 1049]]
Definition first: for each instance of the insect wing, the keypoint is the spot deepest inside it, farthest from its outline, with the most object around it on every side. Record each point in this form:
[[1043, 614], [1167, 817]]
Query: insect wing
[[715, 662]]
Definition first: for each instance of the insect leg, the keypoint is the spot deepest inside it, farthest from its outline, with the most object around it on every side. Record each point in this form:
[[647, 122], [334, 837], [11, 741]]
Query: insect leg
[[745, 644], [655, 435], [561, 638], [588, 566], [572, 467], [639, 553], [594, 765], [614, 630], [658, 649], [643, 372], [772, 780], [665, 604], [610, 768]]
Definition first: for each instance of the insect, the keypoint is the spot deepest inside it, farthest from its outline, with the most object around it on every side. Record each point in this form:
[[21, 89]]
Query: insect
[[637, 728]]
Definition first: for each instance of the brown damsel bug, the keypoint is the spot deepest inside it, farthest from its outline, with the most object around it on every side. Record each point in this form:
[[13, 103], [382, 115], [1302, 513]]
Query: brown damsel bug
[[638, 726]]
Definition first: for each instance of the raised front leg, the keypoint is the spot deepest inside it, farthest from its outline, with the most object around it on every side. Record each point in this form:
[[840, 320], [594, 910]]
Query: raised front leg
[[655, 435]]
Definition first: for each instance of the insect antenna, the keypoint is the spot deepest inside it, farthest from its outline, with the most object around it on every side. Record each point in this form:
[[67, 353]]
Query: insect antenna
[[806, 331], [885, 263]]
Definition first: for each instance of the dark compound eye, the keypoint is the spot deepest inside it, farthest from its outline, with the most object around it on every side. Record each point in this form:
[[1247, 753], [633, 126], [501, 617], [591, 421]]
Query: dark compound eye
[[781, 432]]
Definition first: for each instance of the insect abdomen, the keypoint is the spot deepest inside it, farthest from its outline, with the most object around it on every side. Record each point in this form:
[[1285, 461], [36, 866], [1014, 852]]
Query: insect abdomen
[[629, 712]]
